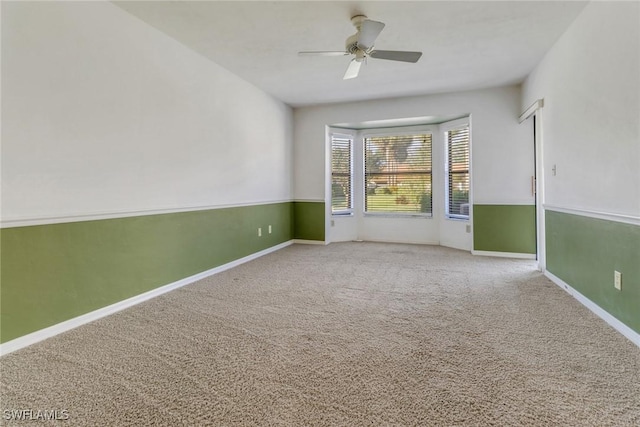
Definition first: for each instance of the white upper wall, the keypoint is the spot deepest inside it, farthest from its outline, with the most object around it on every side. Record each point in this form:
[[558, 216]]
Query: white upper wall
[[590, 81], [502, 149], [103, 113]]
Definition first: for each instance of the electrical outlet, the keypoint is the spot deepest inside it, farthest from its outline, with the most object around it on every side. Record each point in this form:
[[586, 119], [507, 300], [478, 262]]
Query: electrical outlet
[[617, 280], [468, 228], [259, 231], [269, 229]]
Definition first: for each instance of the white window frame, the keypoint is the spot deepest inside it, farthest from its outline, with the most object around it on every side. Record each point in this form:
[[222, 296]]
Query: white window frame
[[352, 138], [444, 129], [397, 131]]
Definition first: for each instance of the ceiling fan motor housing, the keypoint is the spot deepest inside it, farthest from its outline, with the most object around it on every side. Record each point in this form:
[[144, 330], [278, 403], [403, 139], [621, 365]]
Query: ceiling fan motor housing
[[351, 45]]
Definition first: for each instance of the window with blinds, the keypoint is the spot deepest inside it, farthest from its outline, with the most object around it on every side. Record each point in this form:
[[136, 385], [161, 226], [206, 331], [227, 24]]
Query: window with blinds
[[397, 174], [457, 173], [341, 175]]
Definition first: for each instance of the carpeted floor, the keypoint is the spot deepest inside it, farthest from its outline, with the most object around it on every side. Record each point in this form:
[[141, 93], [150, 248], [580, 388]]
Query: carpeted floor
[[349, 334]]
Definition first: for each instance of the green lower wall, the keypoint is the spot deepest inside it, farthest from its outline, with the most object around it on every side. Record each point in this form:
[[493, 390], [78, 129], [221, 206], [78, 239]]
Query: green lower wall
[[504, 228], [584, 252], [52, 273], [309, 220]]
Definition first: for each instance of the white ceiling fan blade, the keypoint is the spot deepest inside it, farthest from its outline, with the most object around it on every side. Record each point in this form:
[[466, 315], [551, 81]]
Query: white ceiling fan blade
[[353, 69], [324, 53], [396, 55], [369, 31]]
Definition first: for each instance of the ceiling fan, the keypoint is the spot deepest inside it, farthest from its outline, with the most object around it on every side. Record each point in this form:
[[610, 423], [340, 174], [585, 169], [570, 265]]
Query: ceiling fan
[[361, 45]]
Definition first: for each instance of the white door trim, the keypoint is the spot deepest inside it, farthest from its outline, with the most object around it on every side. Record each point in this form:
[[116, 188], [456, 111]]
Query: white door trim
[[535, 110]]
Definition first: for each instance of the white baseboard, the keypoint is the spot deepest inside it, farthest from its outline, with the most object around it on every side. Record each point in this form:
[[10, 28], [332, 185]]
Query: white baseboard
[[309, 242], [504, 254], [42, 334], [629, 333]]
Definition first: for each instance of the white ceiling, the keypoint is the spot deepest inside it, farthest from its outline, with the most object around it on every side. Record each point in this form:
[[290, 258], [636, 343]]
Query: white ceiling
[[466, 44]]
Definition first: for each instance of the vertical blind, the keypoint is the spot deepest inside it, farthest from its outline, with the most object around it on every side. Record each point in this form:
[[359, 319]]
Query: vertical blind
[[398, 174], [341, 174], [458, 173]]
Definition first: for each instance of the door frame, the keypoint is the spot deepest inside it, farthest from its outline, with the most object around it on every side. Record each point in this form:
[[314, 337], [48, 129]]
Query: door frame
[[535, 111]]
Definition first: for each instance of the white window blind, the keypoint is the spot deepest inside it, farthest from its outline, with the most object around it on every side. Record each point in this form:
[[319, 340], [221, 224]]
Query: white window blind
[[341, 176], [457, 173], [398, 174]]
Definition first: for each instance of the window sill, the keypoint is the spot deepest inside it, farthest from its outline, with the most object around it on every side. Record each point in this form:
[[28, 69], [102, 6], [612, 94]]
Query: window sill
[[397, 215], [453, 218], [341, 214]]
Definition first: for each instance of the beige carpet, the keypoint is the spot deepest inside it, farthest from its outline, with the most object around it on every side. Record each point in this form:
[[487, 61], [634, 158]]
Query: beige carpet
[[349, 334]]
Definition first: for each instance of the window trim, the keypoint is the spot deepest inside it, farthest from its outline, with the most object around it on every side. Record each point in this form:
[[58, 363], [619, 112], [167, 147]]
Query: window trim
[[390, 132], [445, 128], [343, 135]]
